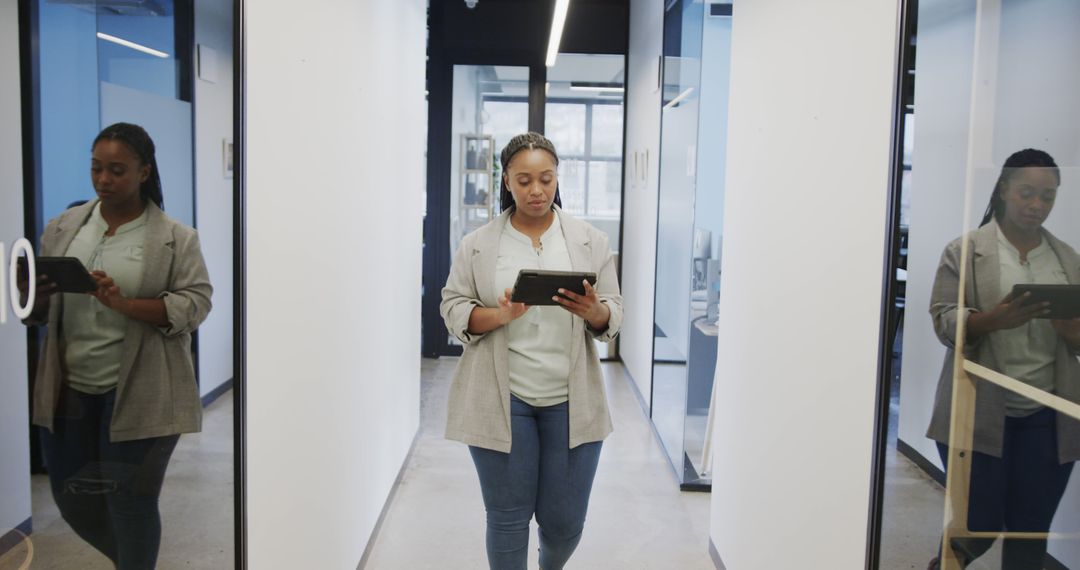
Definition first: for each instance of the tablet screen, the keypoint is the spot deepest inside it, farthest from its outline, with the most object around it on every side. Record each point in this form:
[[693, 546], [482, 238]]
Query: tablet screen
[[68, 273], [537, 286], [1064, 299]]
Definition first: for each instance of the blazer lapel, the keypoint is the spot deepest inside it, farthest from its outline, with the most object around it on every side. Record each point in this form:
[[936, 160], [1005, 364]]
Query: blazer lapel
[[157, 254], [485, 256], [157, 269], [66, 229], [579, 247], [984, 287], [56, 243], [1070, 262]]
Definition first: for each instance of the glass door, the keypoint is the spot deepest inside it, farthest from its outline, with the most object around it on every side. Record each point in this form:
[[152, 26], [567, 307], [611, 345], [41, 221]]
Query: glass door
[[584, 119], [490, 105], [675, 223], [980, 416], [693, 149]]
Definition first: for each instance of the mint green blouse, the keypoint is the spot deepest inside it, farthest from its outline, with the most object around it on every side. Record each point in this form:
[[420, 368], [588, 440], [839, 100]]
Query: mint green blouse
[[93, 334], [1028, 352], [539, 341]]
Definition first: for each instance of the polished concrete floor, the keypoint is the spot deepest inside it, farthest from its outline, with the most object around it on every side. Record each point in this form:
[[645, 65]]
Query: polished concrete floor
[[196, 508], [913, 509], [638, 519]]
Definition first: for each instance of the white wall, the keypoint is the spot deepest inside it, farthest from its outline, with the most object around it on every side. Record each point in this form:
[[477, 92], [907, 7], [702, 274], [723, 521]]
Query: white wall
[[335, 132], [1026, 101], [804, 234], [213, 192], [638, 249], [14, 420]]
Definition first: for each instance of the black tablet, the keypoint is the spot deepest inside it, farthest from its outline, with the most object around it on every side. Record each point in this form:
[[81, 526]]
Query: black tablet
[[537, 287], [1064, 299], [68, 273]]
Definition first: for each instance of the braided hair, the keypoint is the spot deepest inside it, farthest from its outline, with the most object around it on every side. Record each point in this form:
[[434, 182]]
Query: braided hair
[[524, 141], [1028, 157], [136, 138]]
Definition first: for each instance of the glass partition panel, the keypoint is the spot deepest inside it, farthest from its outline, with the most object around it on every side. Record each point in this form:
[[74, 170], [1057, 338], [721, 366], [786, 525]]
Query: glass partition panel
[[705, 262], [139, 47], [583, 117], [490, 106], [985, 425], [682, 65], [124, 463]]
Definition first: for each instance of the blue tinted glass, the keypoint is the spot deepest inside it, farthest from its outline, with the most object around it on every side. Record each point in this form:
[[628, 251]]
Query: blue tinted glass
[[137, 48]]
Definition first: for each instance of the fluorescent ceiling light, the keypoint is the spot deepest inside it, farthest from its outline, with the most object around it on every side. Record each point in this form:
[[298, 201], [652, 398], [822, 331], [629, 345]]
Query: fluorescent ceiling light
[[597, 88], [558, 21], [679, 99], [132, 45]]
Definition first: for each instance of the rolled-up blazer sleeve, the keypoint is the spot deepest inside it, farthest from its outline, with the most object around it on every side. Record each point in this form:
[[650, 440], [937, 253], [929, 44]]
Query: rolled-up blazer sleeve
[[459, 296], [187, 300], [944, 309], [607, 289]]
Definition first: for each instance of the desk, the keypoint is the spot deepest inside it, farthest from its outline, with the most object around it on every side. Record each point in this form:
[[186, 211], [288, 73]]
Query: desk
[[707, 329]]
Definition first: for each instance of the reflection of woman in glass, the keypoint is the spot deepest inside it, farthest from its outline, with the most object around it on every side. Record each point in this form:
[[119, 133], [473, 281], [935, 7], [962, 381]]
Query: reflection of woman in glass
[[528, 393], [1023, 452], [116, 384]]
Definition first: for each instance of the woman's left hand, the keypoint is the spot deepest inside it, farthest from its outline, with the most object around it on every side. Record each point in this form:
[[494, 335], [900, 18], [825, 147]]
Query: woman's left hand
[[152, 311], [1069, 330], [108, 293], [587, 306]]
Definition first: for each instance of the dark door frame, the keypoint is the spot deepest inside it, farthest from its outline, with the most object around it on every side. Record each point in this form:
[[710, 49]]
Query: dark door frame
[[593, 26], [239, 289], [30, 95], [31, 133], [440, 85], [903, 91]]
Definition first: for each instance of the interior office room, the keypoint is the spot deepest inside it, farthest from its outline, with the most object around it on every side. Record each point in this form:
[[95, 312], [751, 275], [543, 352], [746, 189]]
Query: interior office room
[[782, 186]]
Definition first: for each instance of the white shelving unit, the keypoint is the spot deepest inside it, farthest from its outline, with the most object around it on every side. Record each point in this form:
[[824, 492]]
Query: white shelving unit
[[476, 201]]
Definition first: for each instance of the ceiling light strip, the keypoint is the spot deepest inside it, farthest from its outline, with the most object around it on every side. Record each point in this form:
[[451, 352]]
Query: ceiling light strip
[[132, 45], [679, 99], [558, 21], [596, 88]]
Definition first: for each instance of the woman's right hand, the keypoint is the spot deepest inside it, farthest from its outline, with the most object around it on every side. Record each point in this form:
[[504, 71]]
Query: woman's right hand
[[1008, 314], [509, 310], [486, 319], [44, 288]]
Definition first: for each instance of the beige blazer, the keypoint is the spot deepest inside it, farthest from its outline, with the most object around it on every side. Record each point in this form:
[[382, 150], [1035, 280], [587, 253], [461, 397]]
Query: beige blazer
[[157, 394], [479, 404], [983, 293]]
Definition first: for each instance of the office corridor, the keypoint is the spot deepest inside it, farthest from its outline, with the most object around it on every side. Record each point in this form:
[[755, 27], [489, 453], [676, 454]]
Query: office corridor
[[638, 519]]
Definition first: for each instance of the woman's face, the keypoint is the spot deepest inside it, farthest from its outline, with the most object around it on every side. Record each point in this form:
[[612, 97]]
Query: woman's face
[[532, 178], [1029, 195], [116, 172]]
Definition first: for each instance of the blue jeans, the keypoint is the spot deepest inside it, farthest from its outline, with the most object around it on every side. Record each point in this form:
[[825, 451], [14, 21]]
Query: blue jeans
[[541, 475], [1017, 492], [107, 492]]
